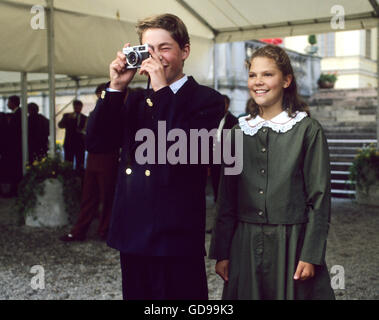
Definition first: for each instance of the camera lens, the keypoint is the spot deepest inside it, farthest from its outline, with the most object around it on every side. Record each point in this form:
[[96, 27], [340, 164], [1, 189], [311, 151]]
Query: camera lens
[[132, 58]]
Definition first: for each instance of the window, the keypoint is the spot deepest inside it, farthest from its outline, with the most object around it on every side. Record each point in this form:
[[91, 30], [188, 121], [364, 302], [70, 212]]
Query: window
[[326, 44]]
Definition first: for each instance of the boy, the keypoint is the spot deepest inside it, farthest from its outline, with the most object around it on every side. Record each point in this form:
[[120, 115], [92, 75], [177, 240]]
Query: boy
[[158, 218]]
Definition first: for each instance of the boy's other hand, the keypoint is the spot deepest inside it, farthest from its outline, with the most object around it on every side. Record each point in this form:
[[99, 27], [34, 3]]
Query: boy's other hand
[[119, 75], [222, 269], [154, 68]]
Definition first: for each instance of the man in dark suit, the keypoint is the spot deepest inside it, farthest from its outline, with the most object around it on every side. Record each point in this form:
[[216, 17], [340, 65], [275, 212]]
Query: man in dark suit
[[38, 133], [98, 188], [3, 149], [226, 123], [158, 218], [12, 154], [75, 125]]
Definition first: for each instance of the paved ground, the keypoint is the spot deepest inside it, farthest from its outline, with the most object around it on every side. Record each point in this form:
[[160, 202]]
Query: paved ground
[[90, 270]]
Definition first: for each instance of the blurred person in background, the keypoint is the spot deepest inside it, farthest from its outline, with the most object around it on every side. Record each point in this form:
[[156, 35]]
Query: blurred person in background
[[227, 122], [98, 189], [75, 125], [11, 154], [38, 133]]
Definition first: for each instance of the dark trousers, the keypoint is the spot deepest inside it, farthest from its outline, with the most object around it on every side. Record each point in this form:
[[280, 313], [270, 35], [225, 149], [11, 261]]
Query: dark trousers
[[78, 154], [97, 195], [163, 278]]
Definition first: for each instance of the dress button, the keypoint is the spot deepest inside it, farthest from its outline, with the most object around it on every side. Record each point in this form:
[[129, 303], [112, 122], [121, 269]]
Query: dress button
[[149, 102], [259, 250], [263, 149], [147, 173], [260, 213], [261, 191], [264, 130], [263, 171], [128, 171]]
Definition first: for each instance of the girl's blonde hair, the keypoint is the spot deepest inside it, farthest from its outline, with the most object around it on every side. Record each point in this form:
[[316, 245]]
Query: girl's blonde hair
[[291, 100]]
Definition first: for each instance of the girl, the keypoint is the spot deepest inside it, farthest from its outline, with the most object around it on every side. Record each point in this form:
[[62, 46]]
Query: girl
[[270, 235]]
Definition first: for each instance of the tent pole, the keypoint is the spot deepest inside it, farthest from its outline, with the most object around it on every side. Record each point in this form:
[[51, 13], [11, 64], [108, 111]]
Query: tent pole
[[377, 85], [51, 71], [215, 65], [24, 121]]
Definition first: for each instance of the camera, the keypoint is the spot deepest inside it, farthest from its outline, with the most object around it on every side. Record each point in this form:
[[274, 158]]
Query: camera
[[135, 55]]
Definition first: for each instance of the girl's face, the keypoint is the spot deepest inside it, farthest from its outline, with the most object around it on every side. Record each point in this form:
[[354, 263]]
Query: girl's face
[[266, 83]]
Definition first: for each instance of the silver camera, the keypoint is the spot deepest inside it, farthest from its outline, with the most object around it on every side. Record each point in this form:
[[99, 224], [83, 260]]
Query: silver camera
[[135, 55]]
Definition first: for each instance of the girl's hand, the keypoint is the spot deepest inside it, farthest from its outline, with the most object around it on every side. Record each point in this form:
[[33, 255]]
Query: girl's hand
[[304, 271], [222, 269]]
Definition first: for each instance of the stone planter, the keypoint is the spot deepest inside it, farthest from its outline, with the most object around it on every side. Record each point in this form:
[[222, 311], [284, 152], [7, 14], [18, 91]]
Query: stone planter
[[371, 198], [50, 209], [325, 85]]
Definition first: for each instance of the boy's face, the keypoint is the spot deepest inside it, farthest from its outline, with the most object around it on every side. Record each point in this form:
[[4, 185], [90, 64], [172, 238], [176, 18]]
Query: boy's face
[[171, 55]]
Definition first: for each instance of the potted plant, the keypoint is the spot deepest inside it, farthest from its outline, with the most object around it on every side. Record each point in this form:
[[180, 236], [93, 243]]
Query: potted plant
[[327, 80], [49, 193], [365, 173]]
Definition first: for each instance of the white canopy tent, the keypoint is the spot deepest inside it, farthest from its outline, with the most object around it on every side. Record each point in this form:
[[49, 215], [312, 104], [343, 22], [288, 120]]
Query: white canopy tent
[[80, 37]]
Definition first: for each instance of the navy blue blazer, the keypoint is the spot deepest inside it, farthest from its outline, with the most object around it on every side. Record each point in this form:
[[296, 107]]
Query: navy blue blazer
[[74, 138], [159, 209]]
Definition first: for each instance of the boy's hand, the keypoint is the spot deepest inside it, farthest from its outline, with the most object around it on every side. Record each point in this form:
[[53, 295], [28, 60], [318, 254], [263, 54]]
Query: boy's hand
[[153, 67], [304, 271], [222, 269], [119, 75]]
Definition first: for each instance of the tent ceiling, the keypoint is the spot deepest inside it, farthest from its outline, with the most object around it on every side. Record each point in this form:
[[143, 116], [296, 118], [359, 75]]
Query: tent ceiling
[[89, 32]]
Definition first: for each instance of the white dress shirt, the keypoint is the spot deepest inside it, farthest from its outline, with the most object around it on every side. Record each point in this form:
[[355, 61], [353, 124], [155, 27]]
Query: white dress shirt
[[173, 86]]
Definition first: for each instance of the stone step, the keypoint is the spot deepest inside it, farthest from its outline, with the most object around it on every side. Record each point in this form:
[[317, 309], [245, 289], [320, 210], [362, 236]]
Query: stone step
[[341, 157], [351, 142], [351, 135], [345, 93], [346, 104], [339, 175], [342, 182], [333, 127], [343, 150], [368, 110], [343, 193], [340, 166], [342, 185]]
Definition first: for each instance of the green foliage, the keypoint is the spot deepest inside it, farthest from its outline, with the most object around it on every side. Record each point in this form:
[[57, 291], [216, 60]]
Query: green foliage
[[312, 39], [365, 168], [32, 185], [327, 77]]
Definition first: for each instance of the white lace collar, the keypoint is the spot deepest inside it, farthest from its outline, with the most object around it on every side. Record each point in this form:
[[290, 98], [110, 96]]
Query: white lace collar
[[280, 123]]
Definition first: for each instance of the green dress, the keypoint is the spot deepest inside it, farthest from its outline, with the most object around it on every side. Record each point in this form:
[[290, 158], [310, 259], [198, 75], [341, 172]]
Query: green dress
[[276, 211]]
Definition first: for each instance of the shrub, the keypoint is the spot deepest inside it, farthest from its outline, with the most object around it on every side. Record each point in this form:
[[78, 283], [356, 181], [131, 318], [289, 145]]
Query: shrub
[[365, 168]]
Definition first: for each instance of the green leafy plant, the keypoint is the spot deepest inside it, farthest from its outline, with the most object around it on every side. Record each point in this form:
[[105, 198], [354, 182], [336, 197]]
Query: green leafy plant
[[365, 168], [328, 77], [312, 40], [32, 184]]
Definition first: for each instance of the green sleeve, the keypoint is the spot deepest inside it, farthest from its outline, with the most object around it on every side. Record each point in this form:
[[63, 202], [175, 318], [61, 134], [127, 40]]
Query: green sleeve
[[226, 219], [316, 173]]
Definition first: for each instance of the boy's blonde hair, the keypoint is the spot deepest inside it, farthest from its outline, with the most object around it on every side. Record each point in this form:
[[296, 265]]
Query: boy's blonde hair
[[168, 22]]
